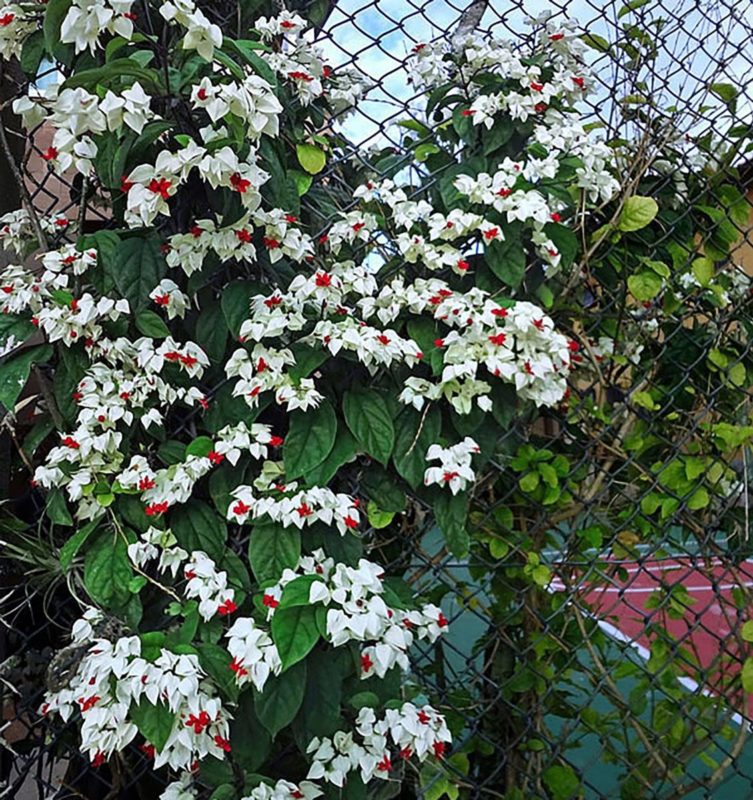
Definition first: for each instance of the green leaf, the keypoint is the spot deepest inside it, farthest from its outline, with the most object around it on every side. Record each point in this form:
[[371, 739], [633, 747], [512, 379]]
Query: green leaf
[[32, 54], [565, 241], [211, 331], [107, 570], [15, 372], [297, 592], [311, 158], [16, 327], [70, 549], [310, 439], [747, 631], [54, 14], [645, 285], [113, 73], [415, 433], [507, 258], [235, 303], [302, 181], [451, 512], [151, 325], [596, 42], [278, 704], [378, 519], [295, 632], [344, 450], [200, 446], [370, 421], [637, 213], [747, 675], [251, 741], [215, 661], [197, 527], [155, 723], [246, 49], [724, 91], [631, 6], [703, 269], [271, 549], [57, 509], [562, 782], [137, 267], [320, 712]]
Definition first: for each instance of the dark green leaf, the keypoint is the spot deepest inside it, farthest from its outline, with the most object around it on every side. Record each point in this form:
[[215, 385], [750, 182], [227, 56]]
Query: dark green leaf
[[136, 268], [251, 741], [152, 325], [451, 512], [507, 258], [197, 527], [14, 372], [310, 439], [57, 509], [155, 723], [211, 331], [370, 421], [271, 549], [54, 14], [235, 303], [343, 451], [70, 549], [415, 433], [295, 633], [215, 661], [107, 570], [278, 704]]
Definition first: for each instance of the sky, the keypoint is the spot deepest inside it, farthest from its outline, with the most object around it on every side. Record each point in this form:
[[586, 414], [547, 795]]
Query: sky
[[703, 42]]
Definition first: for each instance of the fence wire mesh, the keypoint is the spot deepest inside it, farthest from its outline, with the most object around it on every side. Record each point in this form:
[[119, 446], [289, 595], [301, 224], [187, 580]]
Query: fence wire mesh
[[615, 654]]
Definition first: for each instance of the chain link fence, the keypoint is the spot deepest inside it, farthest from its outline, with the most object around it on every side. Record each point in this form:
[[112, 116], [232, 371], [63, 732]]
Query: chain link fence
[[597, 645]]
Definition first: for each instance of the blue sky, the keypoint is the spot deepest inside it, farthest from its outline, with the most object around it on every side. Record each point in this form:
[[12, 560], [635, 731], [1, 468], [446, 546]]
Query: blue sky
[[703, 42]]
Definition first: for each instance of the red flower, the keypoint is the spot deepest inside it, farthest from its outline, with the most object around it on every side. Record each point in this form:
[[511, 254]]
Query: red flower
[[468, 112], [69, 441], [500, 312], [162, 299], [239, 184], [275, 441], [385, 765], [125, 184], [438, 748], [298, 75], [238, 668], [89, 702], [50, 154], [555, 37], [215, 457], [491, 233], [202, 93], [442, 620], [147, 749], [160, 186], [462, 265], [385, 340], [449, 475], [423, 717], [146, 483], [350, 522], [366, 662], [243, 235], [556, 217], [6, 19], [536, 87], [155, 509], [196, 231], [268, 601], [273, 301], [228, 607], [579, 82], [323, 279], [198, 723], [498, 338], [241, 508], [304, 510], [99, 759], [223, 744], [271, 244]]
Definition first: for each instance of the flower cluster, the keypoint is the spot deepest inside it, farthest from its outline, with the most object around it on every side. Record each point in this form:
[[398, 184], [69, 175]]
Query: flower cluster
[[376, 743], [454, 470], [113, 675]]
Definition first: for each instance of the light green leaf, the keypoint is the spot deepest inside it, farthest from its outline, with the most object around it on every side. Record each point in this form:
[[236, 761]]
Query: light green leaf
[[637, 213], [311, 158]]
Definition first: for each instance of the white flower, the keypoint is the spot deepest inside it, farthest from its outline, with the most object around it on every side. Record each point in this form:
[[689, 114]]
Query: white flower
[[455, 470]]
